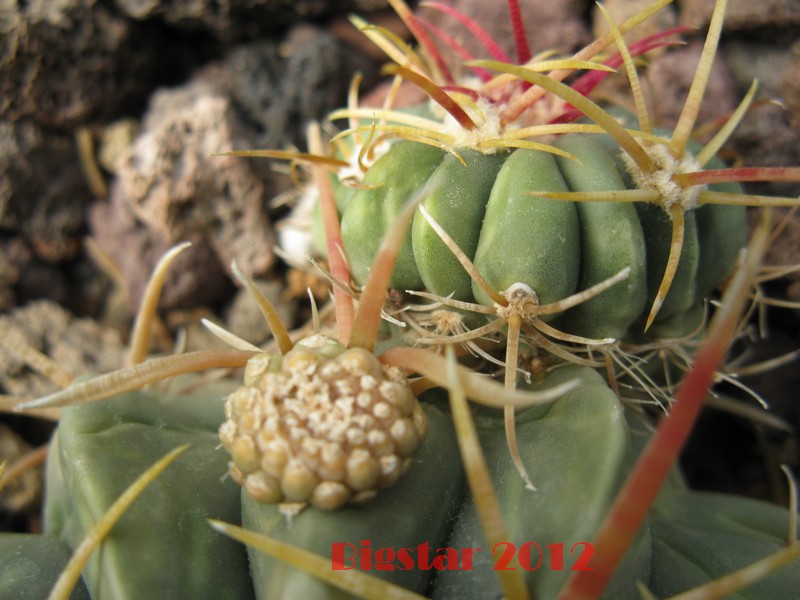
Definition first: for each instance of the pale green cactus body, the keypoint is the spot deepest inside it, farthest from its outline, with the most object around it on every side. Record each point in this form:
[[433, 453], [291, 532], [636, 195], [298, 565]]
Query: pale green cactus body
[[699, 536], [611, 240], [657, 229], [577, 450], [457, 203], [520, 231], [31, 566], [723, 230], [713, 237], [417, 510], [577, 454], [162, 547], [371, 211], [488, 207]]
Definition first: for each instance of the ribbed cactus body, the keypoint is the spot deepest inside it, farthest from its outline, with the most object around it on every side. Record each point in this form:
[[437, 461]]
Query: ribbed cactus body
[[489, 207]]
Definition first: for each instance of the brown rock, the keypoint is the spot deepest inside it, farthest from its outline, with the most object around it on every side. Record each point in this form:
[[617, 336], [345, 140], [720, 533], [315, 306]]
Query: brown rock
[[197, 277], [343, 29], [620, 10], [9, 275], [115, 141], [62, 62], [784, 249], [670, 76], [766, 139], [789, 87], [767, 62], [280, 87], [244, 317], [171, 188], [80, 346], [23, 276], [549, 25], [43, 193], [743, 14], [235, 19]]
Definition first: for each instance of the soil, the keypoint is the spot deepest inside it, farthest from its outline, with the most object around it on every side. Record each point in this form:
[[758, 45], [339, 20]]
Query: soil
[[110, 113]]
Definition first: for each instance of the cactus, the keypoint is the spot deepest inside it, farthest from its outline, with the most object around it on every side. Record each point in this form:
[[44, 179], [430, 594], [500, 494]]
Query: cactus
[[341, 456], [508, 208]]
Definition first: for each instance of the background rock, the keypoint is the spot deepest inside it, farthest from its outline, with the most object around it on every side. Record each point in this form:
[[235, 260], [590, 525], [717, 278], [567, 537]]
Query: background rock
[[271, 66], [244, 317], [239, 19], [621, 10], [670, 76], [64, 62], [277, 88], [744, 15], [559, 25], [43, 192], [80, 346], [171, 188]]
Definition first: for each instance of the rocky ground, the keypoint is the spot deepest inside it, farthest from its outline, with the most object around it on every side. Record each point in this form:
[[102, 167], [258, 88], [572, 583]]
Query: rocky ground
[[111, 111]]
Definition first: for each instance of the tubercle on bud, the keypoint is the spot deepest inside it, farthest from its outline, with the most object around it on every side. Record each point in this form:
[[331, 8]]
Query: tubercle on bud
[[322, 425]]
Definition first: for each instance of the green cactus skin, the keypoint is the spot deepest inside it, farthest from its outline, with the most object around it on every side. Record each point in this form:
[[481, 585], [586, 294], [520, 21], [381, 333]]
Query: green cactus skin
[[458, 204], [418, 509], [577, 450], [700, 536], [611, 239], [520, 232], [657, 229], [31, 565], [371, 212], [723, 231], [553, 246], [162, 547], [577, 455]]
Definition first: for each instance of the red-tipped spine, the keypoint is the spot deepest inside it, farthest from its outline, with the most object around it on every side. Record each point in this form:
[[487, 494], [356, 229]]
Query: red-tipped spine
[[640, 490], [520, 38], [486, 40], [345, 312]]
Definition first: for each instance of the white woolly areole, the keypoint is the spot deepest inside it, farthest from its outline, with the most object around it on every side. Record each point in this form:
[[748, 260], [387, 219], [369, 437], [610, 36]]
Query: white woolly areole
[[354, 171], [487, 118], [666, 165], [294, 232]]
